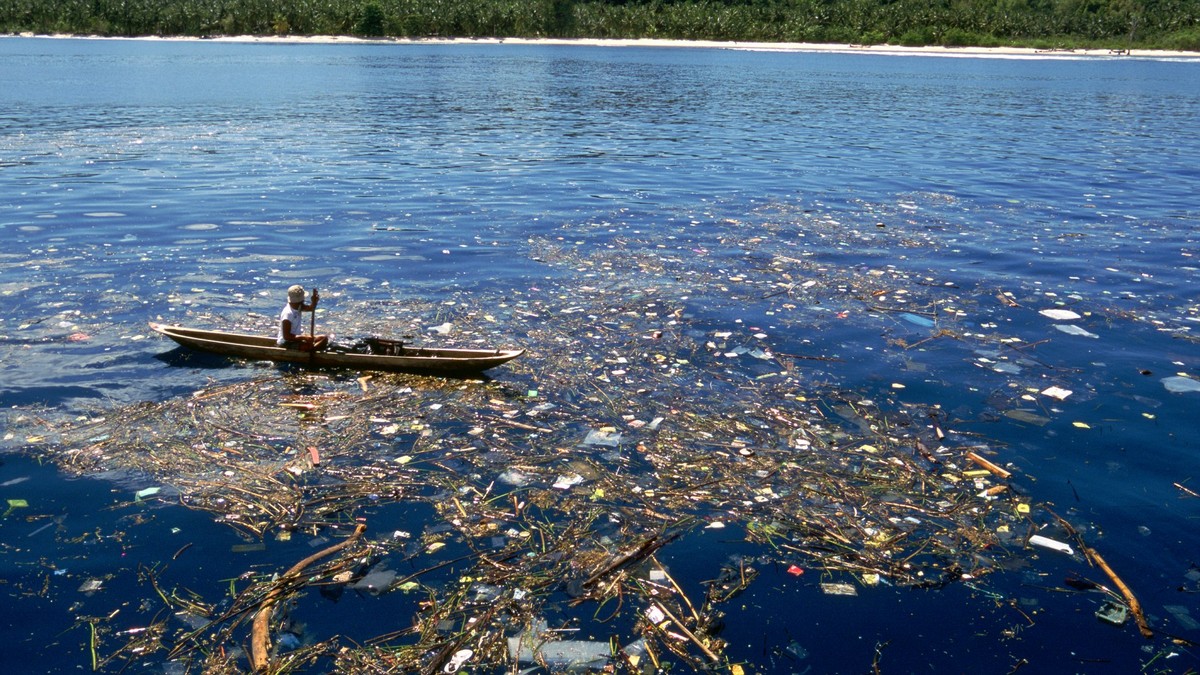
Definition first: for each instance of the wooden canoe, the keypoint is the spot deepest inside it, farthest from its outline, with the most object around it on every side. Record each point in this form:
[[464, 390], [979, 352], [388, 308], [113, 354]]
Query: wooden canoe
[[382, 355]]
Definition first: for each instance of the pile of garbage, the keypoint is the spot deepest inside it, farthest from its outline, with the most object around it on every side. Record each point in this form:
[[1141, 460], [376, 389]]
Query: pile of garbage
[[558, 483], [638, 422]]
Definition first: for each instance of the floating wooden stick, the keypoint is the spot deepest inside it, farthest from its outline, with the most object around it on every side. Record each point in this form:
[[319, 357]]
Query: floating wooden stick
[[687, 633], [645, 549], [1135, 607], [260, 640], [988, 465]]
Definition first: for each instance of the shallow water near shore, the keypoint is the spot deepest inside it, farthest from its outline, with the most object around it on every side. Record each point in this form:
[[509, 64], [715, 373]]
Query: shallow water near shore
[[1004, 249]]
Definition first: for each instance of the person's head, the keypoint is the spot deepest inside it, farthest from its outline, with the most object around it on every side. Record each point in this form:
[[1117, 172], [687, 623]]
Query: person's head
[[296, 294]]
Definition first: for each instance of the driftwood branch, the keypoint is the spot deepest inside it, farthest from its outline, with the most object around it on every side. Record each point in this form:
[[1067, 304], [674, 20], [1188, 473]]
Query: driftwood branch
[[689, 634], [643, 551], [1185, 490], [260, 640], [1135, 607], [974, 457]]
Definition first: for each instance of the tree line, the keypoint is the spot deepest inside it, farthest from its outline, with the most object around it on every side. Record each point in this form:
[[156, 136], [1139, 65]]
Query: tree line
[[1049, 24]]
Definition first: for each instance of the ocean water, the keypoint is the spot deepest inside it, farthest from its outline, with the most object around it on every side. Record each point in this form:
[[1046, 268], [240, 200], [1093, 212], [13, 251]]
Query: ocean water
[[913, 226]]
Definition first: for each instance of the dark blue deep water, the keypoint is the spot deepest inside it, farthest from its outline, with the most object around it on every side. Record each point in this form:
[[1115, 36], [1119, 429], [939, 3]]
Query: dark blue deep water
[[192, 182]]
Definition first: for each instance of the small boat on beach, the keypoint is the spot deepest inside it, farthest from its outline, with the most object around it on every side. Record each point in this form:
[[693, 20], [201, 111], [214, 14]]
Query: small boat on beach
[[371, 354]]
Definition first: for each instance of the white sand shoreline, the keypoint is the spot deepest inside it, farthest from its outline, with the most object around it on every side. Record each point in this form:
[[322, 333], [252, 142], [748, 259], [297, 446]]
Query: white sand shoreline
[[799, 47]]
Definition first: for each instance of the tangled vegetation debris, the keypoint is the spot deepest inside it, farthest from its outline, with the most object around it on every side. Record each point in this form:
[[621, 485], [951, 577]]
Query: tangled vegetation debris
[[639, 423], [557, 491]]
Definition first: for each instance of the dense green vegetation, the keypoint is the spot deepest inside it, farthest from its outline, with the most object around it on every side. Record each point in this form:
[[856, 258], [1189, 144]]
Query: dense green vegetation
[[1114, 24]]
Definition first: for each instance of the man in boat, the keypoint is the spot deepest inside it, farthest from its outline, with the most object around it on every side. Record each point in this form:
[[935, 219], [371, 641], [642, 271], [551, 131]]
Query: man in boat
[[291, 327]]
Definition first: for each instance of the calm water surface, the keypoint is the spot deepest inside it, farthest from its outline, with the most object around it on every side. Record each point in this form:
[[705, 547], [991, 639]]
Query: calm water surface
[[191, 181]]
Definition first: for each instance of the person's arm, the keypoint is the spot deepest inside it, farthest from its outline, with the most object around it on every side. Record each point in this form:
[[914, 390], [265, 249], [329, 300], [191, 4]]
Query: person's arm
[[287, 331]]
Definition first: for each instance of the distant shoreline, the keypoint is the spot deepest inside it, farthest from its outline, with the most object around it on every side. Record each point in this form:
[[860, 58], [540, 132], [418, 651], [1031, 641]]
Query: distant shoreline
[[798, 47]]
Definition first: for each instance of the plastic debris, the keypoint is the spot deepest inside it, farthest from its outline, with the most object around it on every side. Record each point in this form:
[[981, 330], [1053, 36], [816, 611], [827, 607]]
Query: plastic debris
[[146, 492], [1179, 384], [1045, 542], [288, 641], [568, 481], [562, 653], [514, 477], [1071, 329], [655, 615], [14, 504], [533, 646], [1057, 392], [796, 651], [1027, 416], [457, 661], [917, 320], [1183, 615], [607, 437], [830, 588], [376, 581], [1113, 612], [1060, 314]]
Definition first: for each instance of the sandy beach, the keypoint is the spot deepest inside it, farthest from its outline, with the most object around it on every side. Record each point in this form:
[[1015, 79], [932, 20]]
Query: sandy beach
[[798, 47]]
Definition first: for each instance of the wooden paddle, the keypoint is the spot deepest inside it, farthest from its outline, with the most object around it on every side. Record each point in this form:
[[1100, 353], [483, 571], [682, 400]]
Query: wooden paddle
[[312, 321]]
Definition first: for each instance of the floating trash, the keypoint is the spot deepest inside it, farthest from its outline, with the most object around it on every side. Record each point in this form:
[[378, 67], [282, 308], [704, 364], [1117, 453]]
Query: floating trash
[[147, 492], [1046, 542], [918, 320], [376, 581], [1071, 329], [569, 654], [1180, 384], [567, 482], [1113, 612], [607, 437], [691, 432], [1060, 314], [796, 651], [1057, 392], [1183, 615], [514, 477], [14, 504], [829, 588]]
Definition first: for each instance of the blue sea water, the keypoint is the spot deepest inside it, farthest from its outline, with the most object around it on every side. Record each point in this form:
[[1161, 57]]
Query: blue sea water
[[193, 181]]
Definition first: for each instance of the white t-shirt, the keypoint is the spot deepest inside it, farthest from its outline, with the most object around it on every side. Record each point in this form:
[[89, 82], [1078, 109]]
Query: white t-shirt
[[288, 314]]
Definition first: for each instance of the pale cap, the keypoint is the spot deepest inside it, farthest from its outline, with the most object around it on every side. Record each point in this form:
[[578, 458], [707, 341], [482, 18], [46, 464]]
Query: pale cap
[[296, 293]]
